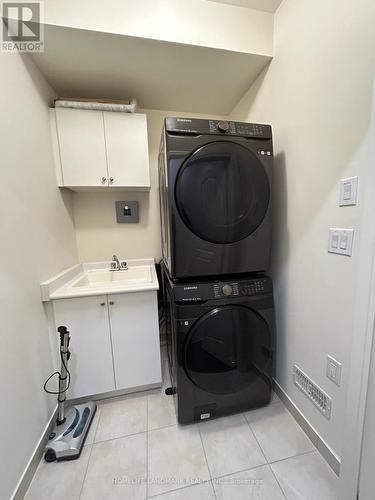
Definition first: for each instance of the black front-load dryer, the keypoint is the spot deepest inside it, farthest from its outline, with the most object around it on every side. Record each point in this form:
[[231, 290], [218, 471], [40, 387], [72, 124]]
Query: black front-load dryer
[[221, 345], [215, 180]]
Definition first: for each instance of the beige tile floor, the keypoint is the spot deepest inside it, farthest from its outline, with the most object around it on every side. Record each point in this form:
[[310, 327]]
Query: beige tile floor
[[136, 450]]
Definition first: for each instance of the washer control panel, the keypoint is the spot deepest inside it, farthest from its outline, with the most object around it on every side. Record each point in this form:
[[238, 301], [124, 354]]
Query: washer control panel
[[200, 292], [227, 289], [254, 287], [241, 289]]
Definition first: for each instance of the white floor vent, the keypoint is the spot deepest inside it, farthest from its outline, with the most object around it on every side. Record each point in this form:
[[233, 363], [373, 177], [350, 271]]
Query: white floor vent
[[320, 399]]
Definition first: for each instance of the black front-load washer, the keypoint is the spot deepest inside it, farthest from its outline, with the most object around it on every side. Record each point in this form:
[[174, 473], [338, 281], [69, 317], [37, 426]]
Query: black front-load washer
[[221, 345], [215, 180]]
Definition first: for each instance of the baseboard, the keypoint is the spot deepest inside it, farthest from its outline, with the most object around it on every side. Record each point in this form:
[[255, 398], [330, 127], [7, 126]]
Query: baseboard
[[28, 474], [327, 453], [113, 394]]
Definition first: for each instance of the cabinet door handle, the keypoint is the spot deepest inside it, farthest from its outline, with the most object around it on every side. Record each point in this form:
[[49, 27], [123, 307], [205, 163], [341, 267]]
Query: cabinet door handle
[[111, 179], [111, 302], [104, 180], [102, 304]]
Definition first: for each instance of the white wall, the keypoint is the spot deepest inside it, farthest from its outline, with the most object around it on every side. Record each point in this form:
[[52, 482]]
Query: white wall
[[317, 95], [360, 411], [98, 233], [195, 22], [37, 241], [367, 479]]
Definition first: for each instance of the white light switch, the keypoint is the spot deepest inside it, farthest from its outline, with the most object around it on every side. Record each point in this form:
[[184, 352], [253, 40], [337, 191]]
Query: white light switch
[[334, 370], [341, 241], [348, 191], [344, 242]]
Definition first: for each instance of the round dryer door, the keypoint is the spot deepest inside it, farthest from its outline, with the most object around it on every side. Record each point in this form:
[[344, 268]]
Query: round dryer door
[[222, 192], [227, 349]]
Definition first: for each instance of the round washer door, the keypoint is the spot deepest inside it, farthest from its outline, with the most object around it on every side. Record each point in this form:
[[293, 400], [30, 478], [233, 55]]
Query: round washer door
[[227, 349], [222, 192]]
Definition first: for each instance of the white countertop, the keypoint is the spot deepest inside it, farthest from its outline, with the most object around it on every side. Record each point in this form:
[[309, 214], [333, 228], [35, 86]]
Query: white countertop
[[96, 278]]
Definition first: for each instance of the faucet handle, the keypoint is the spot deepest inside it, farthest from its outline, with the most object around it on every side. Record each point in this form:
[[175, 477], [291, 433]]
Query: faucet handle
[[124, 265]]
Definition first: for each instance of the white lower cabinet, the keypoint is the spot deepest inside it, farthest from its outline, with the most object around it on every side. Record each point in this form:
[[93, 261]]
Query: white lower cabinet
[[114, 341], [135, 339], [90, 363]]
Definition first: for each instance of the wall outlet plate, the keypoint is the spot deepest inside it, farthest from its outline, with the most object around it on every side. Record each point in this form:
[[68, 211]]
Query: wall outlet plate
[[348, 191], [334, 370], [127, 211], [341, 241]]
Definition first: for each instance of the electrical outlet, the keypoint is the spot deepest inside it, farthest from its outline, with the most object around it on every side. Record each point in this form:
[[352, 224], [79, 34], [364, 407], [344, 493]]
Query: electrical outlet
[[334, 370]]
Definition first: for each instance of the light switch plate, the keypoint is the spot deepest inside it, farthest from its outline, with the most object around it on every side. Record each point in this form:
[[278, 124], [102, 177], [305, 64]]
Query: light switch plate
[[334, 370], [348, 191], [341, 241]]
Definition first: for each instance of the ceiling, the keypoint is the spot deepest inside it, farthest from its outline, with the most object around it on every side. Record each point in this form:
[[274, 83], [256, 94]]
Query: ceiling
[[161, 75], [265, 5]]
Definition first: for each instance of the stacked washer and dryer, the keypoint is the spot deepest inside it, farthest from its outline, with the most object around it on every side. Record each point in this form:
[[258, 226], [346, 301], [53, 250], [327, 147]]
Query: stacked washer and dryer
[[215, 180]]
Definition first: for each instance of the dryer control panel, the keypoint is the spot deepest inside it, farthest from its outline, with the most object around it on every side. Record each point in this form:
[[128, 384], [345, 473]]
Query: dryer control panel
[[198, 292], [196, 126]]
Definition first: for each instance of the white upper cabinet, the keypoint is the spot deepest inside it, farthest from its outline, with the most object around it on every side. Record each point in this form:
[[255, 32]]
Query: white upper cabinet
[[100, 149], [127, 149], [82, 147]]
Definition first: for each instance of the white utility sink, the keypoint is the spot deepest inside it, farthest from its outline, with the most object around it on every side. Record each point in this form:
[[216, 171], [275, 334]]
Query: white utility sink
[[97, 278], [141, 274]]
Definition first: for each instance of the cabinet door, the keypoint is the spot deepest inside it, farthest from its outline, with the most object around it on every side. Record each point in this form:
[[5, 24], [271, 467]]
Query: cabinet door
[[135, 339], [127, 149], [82, 147], [90, 362]]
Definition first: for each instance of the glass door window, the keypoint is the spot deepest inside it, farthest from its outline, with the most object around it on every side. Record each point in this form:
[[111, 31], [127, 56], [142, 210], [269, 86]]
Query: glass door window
[[227, 349], [222, 192]]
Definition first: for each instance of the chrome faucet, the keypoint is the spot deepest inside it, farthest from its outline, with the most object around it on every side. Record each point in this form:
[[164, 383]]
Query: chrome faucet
[[116, 265]]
